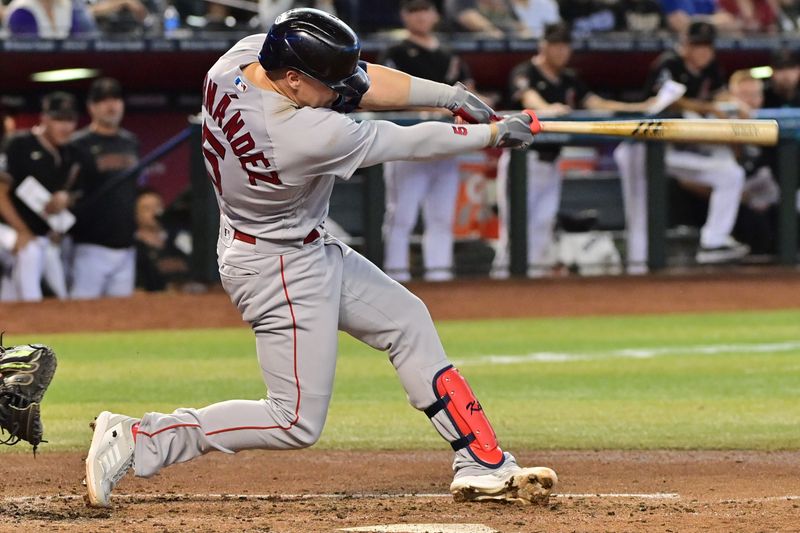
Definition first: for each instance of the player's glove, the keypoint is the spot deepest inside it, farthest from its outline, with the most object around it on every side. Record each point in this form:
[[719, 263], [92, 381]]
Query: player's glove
[[516, 131], [25, 374], [471, 108]]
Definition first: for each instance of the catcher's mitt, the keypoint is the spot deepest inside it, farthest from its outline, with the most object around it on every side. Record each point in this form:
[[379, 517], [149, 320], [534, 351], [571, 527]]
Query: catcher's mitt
[[25, 373]]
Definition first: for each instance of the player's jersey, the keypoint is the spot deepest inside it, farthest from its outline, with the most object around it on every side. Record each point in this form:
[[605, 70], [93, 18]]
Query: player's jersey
[[773, 99], [700, 85], [24, 156], [272, 163], [436, 65], [567, 89]]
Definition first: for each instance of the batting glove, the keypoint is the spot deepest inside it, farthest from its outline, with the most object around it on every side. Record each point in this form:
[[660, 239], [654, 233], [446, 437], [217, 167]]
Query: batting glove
[[471, 108], [516, 131]]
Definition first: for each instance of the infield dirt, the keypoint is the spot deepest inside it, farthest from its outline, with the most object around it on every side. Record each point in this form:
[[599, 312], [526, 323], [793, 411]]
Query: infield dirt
[[313, 491]]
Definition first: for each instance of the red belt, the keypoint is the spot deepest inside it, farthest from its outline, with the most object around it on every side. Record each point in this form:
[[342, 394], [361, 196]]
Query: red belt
[[249, 239]]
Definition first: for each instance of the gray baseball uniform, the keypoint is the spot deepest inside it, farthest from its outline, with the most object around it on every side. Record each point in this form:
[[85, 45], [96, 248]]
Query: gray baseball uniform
[[273, 166]]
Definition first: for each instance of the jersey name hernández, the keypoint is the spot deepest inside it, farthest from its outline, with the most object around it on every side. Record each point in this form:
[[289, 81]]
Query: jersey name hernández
[[273, 164]]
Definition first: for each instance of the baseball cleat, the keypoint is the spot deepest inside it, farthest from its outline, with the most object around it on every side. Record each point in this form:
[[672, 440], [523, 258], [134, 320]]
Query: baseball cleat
[[110, 456], [512, 483]]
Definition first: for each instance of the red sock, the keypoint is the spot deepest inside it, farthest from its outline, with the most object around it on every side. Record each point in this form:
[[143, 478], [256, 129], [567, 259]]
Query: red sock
[[135, 430]]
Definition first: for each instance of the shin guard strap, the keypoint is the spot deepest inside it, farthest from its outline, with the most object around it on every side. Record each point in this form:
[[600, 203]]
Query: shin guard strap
[[434, 408]]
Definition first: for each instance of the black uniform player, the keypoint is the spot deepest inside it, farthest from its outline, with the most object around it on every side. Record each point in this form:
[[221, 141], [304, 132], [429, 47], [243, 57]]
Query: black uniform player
[[42, 155], [710, 169], [105, 262], [544, 83], [432, 185], [782, 89]]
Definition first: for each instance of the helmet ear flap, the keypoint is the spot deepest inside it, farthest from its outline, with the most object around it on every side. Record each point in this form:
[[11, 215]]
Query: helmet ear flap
[[270, 56]]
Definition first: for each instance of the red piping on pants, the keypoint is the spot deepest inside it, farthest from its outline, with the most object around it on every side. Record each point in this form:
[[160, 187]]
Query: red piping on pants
[[296, 380]]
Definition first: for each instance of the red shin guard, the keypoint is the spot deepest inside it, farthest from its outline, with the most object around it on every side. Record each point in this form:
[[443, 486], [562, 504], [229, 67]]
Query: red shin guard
[[457, 399]]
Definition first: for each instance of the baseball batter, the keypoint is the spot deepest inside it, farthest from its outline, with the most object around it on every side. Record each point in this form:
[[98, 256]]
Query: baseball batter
[[274, 140]]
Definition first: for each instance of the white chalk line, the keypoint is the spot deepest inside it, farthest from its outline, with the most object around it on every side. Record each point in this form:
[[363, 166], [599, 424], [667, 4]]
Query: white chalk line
[[422, 528], [142, 497], [631, 353], [201, 497]]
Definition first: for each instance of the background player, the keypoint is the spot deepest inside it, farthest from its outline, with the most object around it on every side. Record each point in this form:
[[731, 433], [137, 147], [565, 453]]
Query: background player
[[544, 83], [693, 65], [430, 184], [295, 283], [42, 154], [105, 257], [782, 87]]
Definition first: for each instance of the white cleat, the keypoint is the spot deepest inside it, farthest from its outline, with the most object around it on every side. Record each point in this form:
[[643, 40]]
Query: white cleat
[[110, 456], [515, 484]]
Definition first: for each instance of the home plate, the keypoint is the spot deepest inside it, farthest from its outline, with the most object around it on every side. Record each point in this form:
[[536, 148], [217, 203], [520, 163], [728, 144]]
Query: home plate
[[424, 528]]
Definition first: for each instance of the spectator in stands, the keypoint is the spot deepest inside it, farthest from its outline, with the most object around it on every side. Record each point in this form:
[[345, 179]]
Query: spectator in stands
[[788, 15], [104, 255], [545, 84], [782, 87], [432, 185], [536, 14], [681, 13], [754, 16], [756, 223], [42, 155], [159, 262], [590, 16], [693, 65], [493, 18], [119, 17], [48, 19], [268, 10], [639, 16]]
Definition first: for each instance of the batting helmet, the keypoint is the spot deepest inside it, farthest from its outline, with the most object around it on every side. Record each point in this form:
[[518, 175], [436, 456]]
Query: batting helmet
[[318, 45]]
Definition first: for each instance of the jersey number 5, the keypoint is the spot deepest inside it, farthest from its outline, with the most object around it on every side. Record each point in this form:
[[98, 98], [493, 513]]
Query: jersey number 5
[[213, 157]]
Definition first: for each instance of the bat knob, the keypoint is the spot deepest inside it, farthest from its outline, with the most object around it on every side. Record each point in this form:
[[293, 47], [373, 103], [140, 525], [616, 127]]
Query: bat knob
[[536, 126]]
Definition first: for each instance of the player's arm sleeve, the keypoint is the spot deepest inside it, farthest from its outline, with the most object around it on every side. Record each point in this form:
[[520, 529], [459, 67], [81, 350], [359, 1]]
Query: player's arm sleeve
[[658, 75], [12, 164], [427, 140], [341, 145]]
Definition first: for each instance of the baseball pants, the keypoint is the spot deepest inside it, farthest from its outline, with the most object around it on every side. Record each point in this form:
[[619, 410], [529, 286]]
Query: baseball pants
[[295, 300], [543, 200], [433, 185], [99, 271], [39, 259], [719, 170]]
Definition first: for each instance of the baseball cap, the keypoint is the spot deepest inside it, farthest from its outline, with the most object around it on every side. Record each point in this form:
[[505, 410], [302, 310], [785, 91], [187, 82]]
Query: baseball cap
[[414, 5], [700, 32], [558, 32], [60, 106], [104, 88], [783, 58]]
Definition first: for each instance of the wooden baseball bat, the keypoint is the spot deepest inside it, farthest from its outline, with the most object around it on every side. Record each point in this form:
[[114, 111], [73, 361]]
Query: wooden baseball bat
[[763, 132]]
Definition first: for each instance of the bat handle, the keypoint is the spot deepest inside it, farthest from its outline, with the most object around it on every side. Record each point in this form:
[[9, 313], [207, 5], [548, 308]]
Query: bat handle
[[536, 126]]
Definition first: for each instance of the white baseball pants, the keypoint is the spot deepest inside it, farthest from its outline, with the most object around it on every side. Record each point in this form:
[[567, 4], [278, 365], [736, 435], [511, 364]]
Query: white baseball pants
[[39, 259], [544, 198], [409, 185], [720, 171], [101, 271]]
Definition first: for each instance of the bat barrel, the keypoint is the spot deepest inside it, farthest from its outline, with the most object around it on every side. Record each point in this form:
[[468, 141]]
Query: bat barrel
[[762, 132]]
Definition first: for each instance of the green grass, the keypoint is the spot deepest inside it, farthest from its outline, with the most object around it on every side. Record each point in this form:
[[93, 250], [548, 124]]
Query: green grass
[[594, 396]]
